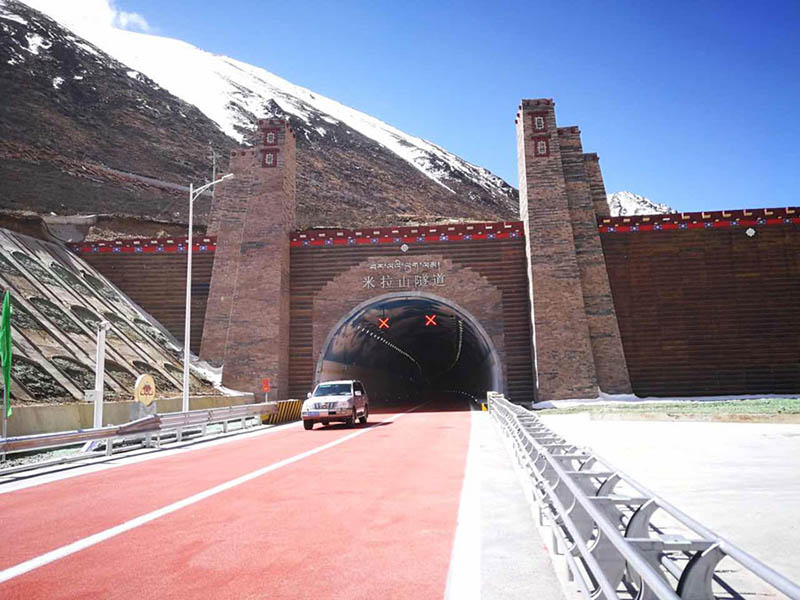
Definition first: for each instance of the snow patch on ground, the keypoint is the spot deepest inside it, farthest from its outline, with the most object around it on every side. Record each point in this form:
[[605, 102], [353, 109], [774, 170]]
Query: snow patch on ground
[[36, 43], [213, 375], [57, 81], [11, 17], [623, 399], [87, 48]]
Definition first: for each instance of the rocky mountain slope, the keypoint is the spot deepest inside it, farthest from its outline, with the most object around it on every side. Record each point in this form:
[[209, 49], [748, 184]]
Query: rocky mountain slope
[[78, 117], [626, 204]]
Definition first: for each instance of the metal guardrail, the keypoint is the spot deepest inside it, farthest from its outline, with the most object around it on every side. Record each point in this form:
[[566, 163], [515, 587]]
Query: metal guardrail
[[43, 441], [602, 522], [144, 428], [180, 421]]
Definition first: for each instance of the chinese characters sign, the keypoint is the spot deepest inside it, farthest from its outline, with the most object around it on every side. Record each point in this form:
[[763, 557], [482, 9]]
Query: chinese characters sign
[[403, 282], [404, 275]]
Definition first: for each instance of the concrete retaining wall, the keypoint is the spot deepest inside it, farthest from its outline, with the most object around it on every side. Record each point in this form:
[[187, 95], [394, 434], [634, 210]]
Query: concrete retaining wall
[[49, 418]]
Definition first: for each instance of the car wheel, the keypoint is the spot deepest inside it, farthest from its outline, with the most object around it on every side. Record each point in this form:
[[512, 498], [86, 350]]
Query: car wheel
[[351, 421], [308, 425], [363, 419], [326, 423]]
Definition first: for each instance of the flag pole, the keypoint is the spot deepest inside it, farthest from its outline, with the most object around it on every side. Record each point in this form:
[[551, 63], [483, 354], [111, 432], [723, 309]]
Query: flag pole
[[5, 358], [5, 420]]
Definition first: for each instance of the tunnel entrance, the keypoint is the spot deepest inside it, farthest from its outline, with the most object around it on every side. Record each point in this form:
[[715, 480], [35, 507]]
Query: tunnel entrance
[[411, 347]]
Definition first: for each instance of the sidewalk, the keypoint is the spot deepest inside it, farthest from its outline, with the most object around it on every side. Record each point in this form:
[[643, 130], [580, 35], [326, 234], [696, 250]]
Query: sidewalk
[[498, 552]]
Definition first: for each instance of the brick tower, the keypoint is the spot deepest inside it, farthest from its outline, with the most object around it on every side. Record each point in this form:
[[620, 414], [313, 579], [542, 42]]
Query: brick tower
[[247, 317], [577, 343]]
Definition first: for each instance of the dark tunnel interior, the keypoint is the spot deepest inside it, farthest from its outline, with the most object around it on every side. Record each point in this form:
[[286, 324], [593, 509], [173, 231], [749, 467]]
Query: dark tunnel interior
[[411, 349]]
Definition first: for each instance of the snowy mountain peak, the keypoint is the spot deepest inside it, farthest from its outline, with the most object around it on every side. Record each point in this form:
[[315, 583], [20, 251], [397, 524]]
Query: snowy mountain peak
[[627, 204], [234, 94]]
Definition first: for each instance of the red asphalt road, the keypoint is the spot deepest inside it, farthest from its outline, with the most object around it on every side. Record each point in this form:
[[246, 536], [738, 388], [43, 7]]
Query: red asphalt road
[[371, 517]]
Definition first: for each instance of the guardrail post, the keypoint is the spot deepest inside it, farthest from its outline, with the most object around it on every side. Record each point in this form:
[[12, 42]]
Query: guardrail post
[[695, 582]]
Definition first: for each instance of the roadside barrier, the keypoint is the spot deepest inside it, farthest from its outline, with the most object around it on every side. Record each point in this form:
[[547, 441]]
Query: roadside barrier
[[612, 531], [288, 411], [144, 430]]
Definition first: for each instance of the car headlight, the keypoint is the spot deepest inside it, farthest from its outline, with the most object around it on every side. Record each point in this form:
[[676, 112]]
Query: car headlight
[[345, 404]]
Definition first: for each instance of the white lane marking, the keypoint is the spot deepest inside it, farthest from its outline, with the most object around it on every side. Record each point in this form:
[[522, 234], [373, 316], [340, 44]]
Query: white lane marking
[[24, 480], [87, 542], [464, 574]]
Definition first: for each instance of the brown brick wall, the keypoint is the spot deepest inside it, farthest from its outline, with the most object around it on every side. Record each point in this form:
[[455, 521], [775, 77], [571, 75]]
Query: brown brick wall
[[609, 357], [708, 311], [597, 187], [157, 283], [486, 278]]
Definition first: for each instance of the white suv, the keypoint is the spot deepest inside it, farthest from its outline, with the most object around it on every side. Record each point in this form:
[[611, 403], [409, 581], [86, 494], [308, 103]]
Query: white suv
[[342, 401]]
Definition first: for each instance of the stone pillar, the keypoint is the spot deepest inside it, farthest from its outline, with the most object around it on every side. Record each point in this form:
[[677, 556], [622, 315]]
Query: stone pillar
[[564, 360], [605, 339], [225, 222], [596, 185], [247, 319]]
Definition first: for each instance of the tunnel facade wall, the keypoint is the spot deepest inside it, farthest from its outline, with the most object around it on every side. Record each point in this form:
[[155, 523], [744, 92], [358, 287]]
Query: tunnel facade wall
[[707, 302], [481, 268]]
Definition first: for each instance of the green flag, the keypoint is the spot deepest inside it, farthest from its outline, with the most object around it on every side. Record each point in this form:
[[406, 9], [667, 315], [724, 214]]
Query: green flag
[[5, 349]]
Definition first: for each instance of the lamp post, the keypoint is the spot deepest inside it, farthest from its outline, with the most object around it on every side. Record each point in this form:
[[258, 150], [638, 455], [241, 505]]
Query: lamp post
[[99, 372], [193, 195]]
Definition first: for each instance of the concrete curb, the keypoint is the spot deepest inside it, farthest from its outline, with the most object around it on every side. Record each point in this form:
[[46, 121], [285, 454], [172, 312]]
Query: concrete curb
[[699, 417]]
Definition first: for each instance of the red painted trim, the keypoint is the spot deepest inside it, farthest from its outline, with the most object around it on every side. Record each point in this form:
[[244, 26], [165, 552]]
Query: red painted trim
[[543, 115], [128, 246], [267, 131], [265, 152], [409, 235], [764, 217], [541, 138]]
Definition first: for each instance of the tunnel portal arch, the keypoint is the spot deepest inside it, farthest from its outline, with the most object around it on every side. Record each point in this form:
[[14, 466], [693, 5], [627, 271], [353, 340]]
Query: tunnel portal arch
[[412, 341]]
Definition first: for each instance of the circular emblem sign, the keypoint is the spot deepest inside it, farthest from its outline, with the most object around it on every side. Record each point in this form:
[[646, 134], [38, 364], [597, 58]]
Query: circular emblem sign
[[145, 389]]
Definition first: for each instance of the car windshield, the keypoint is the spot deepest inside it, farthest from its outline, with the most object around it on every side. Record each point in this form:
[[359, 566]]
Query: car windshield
[[333, 389]]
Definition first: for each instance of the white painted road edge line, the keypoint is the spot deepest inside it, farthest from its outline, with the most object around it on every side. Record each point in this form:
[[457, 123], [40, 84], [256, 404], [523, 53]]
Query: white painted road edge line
[[101, 536], [464, 575]]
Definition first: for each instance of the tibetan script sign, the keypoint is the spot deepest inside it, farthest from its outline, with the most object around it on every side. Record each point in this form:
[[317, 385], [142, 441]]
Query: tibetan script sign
[[406, 266]]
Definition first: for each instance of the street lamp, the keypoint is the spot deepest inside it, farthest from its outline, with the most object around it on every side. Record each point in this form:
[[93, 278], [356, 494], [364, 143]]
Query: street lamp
[[193, 195]]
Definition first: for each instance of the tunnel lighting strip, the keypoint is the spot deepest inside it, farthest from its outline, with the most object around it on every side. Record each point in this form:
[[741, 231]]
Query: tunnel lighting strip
[[458, 350], [400, 351], [460, 341]]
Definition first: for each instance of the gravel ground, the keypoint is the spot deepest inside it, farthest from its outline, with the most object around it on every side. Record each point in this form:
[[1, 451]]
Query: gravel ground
[[747, 406]]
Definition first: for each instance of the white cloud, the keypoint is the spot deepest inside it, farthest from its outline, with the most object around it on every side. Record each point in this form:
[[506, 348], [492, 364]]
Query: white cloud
[[85, 17], [132, 21]]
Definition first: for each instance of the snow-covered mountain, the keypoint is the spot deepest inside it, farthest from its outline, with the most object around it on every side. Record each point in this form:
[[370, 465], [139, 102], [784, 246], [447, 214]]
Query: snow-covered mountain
[[234, 94], [626, 204]]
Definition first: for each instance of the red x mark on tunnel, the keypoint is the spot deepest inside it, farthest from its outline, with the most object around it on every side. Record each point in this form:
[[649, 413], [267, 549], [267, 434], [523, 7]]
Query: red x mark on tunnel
[[430, 320], [383, 323]]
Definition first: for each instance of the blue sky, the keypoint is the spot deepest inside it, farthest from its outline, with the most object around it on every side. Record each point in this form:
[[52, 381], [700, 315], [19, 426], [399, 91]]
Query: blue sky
[[692, 104]]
